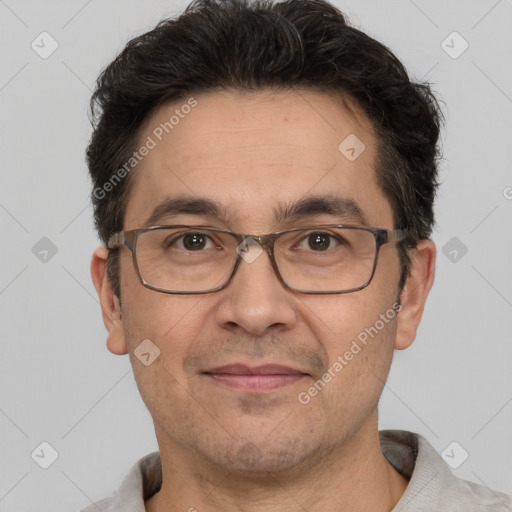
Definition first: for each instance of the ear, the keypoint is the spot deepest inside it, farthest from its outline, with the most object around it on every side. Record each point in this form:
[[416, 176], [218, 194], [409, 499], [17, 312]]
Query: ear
[[110, 306], [415, 292]]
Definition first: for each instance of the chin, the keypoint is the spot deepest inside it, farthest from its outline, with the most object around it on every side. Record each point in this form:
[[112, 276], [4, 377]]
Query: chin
[[258, 458]]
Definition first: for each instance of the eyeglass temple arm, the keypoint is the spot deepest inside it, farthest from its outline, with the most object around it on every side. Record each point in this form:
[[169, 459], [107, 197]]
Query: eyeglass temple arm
[[395, 235], [116, 240]]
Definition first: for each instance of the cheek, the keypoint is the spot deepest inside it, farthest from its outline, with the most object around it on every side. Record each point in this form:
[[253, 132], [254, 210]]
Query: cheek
[[171, 322], [337, 320], [357, 334], [358, 368], [364, 339], [345, 397]]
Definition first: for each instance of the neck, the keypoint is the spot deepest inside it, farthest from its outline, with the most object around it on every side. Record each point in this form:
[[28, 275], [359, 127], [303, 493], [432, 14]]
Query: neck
[[352, 477]]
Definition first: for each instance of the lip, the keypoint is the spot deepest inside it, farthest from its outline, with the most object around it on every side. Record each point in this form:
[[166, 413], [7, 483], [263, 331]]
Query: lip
[[255, 378]]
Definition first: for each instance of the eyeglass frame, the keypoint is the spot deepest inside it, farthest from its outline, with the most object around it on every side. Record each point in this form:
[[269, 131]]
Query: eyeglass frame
[[129, 238]]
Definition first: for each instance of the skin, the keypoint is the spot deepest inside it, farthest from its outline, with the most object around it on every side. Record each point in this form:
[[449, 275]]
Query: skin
[[234, 450]]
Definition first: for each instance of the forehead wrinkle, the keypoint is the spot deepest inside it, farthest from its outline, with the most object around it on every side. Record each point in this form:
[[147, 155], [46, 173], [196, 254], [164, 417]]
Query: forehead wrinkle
[[268, 146], [238, 129]]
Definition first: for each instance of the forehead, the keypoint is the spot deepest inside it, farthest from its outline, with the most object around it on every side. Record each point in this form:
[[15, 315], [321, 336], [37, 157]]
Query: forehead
[[256, 153]]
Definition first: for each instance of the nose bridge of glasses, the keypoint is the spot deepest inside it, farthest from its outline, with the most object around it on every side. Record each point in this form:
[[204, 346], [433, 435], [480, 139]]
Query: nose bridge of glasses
[[250, 250], [251, 247], [261, 241]]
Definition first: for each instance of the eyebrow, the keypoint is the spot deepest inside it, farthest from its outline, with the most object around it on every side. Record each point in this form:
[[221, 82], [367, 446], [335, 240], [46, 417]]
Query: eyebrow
[[343, 207]]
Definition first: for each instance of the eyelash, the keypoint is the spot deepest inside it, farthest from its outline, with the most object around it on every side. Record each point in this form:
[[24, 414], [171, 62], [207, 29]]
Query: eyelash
[[179, 239]]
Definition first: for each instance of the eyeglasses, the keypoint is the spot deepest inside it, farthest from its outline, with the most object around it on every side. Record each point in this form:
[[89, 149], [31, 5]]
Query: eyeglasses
[[313, 259]]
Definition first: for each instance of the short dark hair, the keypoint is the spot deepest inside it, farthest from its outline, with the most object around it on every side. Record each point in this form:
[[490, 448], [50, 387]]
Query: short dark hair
[[255, 45]]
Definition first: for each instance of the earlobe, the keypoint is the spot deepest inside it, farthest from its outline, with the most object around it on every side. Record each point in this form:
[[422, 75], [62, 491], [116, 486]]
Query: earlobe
[[414, 295], [110, 304]]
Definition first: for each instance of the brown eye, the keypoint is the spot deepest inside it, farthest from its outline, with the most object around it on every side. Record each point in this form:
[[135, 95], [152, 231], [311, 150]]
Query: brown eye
[[319, 241], [189, 242], [194, 241]]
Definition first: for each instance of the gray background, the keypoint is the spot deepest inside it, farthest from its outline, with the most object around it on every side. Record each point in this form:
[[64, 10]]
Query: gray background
[[59, 384]]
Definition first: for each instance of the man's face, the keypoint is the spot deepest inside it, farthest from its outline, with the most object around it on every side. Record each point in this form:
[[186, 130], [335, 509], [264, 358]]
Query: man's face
[[252, 154]]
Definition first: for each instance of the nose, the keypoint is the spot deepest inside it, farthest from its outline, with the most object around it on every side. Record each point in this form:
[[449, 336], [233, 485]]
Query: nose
[[255, 301]]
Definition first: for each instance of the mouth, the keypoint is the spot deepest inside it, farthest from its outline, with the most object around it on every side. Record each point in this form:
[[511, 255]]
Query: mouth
[[255, 378]]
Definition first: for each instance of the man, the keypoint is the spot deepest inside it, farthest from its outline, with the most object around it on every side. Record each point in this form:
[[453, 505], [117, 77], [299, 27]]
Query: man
[[264, 177]]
